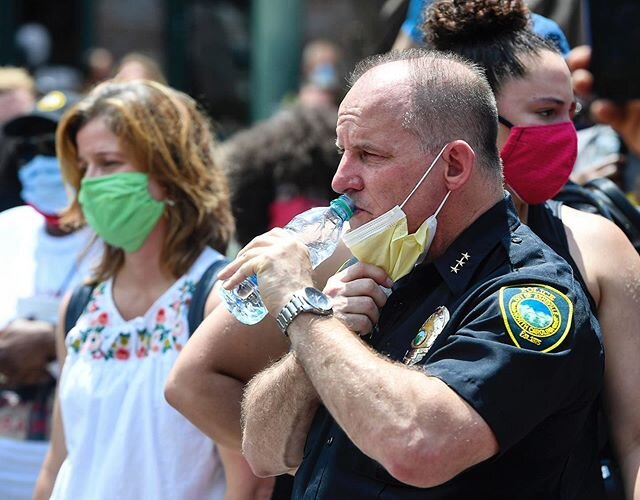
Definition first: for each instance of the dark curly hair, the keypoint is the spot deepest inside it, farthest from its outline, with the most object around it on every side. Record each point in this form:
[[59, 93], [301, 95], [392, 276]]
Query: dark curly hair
[[294, 148], [496, 34]]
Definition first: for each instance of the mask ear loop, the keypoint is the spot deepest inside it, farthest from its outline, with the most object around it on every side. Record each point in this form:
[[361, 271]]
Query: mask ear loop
[[446, 196], [424, 176]]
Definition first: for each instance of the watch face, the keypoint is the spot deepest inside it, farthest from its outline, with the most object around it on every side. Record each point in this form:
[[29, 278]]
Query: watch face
[[317, 299]]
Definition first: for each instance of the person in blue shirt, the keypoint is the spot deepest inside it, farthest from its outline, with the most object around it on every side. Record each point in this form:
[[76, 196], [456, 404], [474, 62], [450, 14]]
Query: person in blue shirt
[[411, 35]]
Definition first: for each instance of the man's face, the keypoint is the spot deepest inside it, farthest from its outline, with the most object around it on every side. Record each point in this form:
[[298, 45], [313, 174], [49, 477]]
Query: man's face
[[381, 158], [15, 102]]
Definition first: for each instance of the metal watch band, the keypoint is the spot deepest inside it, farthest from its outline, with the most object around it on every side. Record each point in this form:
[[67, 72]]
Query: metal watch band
[[300, 303], [290, 310]]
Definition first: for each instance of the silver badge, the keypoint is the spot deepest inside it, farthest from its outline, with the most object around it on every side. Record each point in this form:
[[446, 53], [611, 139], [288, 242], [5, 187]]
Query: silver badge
[[427, 335]]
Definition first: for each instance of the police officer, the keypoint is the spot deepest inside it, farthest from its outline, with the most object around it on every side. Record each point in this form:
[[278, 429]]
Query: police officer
[[491, 360]]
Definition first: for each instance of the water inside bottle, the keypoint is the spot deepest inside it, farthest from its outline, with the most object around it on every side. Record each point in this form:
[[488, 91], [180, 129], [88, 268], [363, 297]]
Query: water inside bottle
[[244, 301], [319, 251]]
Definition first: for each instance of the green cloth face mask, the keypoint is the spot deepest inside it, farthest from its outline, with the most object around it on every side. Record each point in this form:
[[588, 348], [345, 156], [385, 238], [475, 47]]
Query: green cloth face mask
[[120, 208]]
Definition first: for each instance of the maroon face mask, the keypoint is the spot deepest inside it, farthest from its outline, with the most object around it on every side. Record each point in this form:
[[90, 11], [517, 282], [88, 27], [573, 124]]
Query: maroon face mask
[[538, 159]]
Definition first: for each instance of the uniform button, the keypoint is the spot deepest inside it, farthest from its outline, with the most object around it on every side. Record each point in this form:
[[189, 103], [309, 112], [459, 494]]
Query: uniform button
[[516, 239], [330, 441]]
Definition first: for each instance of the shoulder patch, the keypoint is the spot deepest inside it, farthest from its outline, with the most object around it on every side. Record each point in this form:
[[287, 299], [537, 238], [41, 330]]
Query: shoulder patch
[[536, 317]]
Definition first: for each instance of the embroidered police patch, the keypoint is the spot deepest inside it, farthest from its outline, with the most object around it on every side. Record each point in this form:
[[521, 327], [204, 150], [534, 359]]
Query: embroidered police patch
[[536, 316]]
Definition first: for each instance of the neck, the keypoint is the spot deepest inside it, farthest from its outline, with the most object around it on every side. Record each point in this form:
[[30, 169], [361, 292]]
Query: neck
[[142, 268], [465, 208], [521, 207], [56, 230]]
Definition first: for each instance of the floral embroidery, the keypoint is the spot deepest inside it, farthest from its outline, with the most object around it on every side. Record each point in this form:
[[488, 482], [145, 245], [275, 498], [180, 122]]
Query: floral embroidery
[[163, 332], [161, 316], [122, 353]]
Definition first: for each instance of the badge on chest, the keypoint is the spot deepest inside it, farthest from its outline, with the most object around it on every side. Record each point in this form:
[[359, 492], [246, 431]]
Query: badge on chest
[[426, 336]]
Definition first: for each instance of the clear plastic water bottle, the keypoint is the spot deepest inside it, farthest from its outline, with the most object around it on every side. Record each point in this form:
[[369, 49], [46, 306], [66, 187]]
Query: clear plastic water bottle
[[320, 229]]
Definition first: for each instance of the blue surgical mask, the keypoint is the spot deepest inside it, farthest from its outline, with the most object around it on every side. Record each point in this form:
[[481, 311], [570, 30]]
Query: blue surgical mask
[[324, 76], [42, 185]]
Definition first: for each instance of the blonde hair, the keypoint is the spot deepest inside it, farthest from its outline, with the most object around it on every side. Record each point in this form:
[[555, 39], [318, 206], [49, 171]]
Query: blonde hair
[[12, 78], [169, 138]]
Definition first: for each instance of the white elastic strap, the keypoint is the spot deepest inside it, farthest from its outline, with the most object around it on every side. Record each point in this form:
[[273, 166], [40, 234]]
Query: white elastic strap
[[442, 204], [424, 176]]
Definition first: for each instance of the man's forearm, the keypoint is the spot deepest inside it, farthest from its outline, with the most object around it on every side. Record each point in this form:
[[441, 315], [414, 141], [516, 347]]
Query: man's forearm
[[212, 404], [277, 410], [414, 425]]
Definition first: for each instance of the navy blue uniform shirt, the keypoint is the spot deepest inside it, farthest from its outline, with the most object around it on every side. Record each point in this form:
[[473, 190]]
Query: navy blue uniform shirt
[[501, 320]]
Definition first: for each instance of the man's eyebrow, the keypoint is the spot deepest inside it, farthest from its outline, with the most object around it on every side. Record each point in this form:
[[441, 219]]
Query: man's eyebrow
[[365, 145]]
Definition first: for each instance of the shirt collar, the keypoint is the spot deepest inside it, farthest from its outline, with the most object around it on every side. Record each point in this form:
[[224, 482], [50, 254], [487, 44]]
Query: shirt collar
[[458, 264]]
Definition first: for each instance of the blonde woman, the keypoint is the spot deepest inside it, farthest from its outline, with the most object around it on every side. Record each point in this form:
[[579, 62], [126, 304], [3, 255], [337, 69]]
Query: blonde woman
[[140, 156]]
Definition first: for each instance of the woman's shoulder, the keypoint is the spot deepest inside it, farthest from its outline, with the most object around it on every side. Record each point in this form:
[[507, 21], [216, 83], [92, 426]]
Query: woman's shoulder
[[598, 245], [591, 228], [207, 257]]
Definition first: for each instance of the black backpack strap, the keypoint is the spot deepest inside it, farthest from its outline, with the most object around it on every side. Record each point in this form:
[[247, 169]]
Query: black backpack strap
[[582, 199], [78, 301], [201, 294]]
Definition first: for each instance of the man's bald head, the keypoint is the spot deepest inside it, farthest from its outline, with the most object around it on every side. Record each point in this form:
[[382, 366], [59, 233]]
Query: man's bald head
[[443, 98]]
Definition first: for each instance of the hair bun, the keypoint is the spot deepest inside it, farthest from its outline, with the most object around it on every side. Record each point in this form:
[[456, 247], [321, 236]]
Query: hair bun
[[452, 22]]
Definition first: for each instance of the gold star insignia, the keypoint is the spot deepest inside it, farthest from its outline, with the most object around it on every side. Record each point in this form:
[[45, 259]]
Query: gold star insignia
[[466, 256], [454, 269], [461, 262]]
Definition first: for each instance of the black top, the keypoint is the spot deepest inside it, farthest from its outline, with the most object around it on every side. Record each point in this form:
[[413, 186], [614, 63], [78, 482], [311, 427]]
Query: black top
[[521, 346], [546, 222]]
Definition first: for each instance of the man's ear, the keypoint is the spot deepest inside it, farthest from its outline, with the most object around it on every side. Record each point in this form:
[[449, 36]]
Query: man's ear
[[461, 161]]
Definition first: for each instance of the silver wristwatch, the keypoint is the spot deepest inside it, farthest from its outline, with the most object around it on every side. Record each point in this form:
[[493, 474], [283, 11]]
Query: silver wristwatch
[[309, 300]]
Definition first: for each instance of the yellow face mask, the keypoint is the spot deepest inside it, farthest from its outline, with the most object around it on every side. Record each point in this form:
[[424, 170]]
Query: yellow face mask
[[385, 241]]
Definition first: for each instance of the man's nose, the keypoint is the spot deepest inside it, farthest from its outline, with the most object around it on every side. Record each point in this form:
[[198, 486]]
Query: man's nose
[[347, 177]]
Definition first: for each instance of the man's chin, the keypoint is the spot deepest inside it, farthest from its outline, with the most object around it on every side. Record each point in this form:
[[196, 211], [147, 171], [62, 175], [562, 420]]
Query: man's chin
[[359, 218]]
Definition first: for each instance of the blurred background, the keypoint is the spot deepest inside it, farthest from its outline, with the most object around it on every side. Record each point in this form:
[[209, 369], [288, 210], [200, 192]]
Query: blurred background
[[240, 58]]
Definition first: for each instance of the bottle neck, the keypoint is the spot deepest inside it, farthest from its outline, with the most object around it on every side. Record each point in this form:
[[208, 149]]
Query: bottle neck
[[342, 207], [336, 216]]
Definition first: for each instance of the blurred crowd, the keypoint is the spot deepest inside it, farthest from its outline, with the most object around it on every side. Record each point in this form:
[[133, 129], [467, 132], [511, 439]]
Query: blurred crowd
[[118, 197]]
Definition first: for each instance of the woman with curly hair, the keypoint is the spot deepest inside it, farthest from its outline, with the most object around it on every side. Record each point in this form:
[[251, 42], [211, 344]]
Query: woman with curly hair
[[140, 157], [280, 167], [533, 90]]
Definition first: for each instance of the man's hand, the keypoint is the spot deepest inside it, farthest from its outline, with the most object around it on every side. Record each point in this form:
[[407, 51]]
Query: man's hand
[[357, 296], [624, 118], [282, 265], [25, 349]]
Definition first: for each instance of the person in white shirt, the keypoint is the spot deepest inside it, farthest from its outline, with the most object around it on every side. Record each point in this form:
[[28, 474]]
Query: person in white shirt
[[39, 261]]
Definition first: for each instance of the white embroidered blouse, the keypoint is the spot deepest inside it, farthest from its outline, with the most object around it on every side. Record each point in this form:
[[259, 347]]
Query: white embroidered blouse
[[123, 439]]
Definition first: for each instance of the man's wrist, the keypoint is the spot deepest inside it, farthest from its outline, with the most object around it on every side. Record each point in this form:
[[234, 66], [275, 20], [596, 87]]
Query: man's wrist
[[308, 300]]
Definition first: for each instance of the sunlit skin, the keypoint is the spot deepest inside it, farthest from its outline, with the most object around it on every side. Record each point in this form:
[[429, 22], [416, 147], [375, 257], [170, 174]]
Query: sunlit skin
[[381, 164], [136, 286], [100, 153], [370, 159], [543, 97]]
